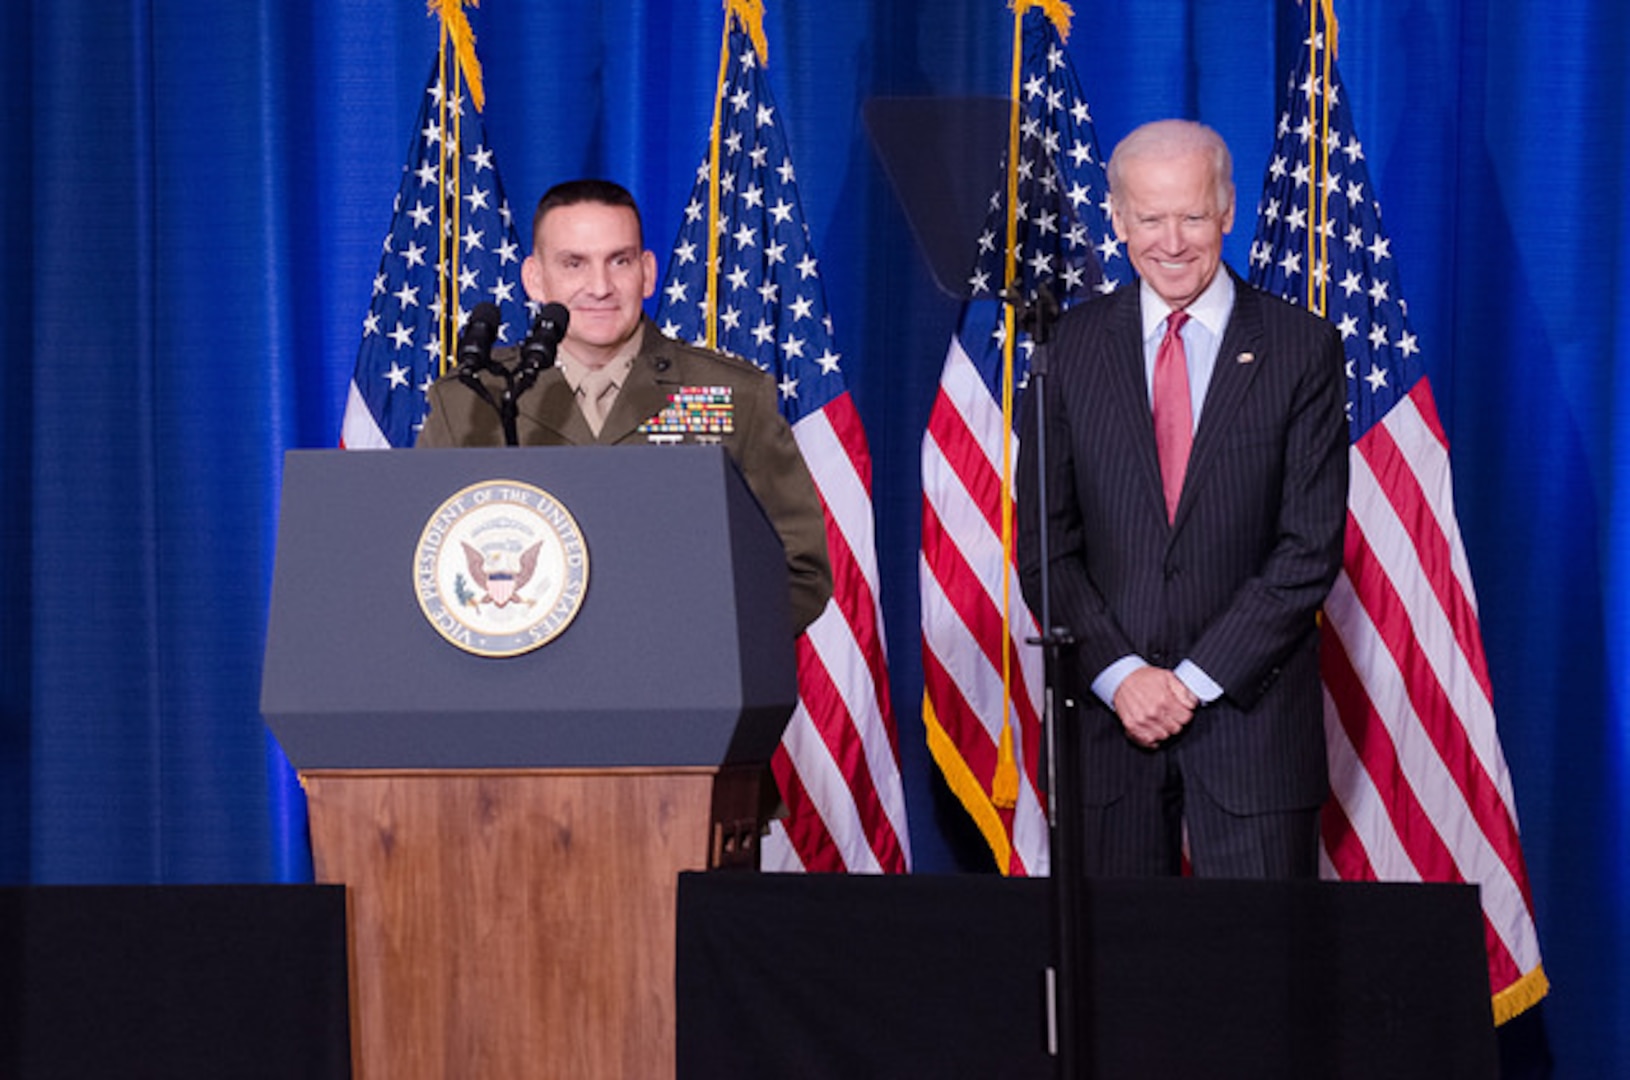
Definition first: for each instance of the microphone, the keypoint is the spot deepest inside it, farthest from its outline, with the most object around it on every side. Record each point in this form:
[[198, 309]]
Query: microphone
[[475, 342], [538, 350]]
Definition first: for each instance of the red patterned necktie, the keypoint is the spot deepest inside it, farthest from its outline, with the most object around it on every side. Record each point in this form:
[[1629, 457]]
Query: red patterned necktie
[[1174, 415]]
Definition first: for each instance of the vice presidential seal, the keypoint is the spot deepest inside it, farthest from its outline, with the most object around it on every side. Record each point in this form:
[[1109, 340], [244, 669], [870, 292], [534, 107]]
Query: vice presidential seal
[[501, 568]]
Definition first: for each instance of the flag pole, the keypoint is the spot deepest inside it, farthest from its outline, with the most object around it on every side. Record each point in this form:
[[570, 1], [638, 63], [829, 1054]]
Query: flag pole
[[1004, 784], [750, 13], [460, 70], [1327, 8], [446, 299], [710, 322], [1321, 20]]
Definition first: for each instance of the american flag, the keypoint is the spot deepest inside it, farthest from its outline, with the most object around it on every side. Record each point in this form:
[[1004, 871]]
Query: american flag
[[1420, 790], [452, 244], [838, 765], [982, 682]]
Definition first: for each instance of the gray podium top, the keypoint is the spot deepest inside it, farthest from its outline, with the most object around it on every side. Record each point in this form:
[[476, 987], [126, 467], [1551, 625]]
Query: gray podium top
[[680, 654]]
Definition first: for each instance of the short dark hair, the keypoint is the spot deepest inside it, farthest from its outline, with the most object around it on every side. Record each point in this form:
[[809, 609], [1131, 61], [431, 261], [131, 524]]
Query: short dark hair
[[572, 192]]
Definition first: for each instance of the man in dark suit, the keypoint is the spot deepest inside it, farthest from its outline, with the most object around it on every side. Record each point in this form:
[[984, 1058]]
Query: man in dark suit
[[1197, 485], [620, 381]]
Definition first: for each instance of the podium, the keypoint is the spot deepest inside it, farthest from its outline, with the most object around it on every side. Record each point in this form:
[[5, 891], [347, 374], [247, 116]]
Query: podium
[[510, 827]]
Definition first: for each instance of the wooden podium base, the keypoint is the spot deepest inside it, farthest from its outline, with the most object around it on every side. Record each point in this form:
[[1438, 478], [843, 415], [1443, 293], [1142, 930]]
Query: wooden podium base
[[520, 923]]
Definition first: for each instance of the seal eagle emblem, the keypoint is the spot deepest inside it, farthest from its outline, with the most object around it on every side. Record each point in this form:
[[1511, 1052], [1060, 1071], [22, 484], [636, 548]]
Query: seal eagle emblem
[[501, 568]]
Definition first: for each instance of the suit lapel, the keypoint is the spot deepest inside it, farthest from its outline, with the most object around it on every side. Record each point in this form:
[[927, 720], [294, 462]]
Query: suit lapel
[[1231, 378], [1127, 399]]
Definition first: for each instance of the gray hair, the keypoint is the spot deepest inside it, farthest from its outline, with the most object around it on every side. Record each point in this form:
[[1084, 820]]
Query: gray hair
[[1163, 139]]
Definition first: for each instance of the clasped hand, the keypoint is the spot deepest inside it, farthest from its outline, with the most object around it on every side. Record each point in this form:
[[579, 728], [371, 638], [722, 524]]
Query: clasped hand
[[1153, 705]]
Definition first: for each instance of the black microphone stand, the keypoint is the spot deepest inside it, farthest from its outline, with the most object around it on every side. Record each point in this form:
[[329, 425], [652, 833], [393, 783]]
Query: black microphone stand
[[537, 354], [935, 152], [1060, 734], [469, 375]]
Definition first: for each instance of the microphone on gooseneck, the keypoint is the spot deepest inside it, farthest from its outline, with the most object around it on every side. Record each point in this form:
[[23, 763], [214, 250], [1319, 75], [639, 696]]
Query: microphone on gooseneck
[[476, 340], [538, 350], [474, 354]]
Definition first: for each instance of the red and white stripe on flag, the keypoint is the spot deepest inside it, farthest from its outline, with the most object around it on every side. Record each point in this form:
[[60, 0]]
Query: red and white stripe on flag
[[1420, 788], [965, 578], [838, 763]]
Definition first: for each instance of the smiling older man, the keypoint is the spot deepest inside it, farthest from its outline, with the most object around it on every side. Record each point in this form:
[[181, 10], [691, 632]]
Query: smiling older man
[[1197, 478]]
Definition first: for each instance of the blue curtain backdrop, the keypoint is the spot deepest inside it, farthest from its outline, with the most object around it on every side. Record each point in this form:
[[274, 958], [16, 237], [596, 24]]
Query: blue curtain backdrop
[[193, 201]]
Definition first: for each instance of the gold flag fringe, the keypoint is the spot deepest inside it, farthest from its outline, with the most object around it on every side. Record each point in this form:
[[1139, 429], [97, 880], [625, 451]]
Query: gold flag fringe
[[750, 13], [457, 26], [1056, 10]]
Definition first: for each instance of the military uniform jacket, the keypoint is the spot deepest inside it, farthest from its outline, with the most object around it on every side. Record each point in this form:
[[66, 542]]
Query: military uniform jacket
[[761, 443]]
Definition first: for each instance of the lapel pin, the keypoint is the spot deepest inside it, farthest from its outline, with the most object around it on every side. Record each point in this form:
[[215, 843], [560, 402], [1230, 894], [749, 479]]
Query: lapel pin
[[1244, 358]]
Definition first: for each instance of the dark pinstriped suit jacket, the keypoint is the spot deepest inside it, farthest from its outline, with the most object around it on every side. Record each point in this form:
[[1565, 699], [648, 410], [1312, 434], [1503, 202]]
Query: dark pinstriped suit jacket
[[1235, 582]]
